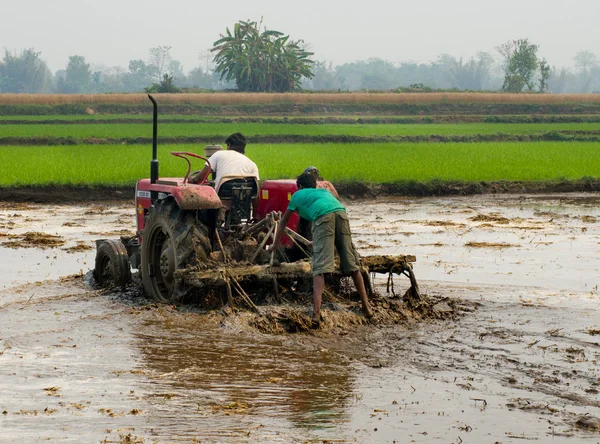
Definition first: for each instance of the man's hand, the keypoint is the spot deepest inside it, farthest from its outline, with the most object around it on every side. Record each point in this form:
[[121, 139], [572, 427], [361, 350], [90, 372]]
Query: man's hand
[[282, 224], [198, 177]]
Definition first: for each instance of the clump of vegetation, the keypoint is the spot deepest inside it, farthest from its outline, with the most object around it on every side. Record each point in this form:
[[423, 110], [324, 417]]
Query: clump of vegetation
[[421, 88], [166, 85]]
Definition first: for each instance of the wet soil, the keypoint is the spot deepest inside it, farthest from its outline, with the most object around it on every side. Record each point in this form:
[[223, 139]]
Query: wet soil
[[514, 358]]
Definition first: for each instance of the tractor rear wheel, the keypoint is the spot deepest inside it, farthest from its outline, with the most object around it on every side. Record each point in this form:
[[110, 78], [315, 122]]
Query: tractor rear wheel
[[172, 239], [112, 267]]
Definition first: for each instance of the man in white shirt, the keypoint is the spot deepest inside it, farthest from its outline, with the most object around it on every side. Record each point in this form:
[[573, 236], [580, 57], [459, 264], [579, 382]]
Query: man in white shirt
[[231, 167]]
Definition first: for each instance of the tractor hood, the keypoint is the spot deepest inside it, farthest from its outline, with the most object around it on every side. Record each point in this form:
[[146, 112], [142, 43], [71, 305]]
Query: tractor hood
[[196, 197], [188, 196]]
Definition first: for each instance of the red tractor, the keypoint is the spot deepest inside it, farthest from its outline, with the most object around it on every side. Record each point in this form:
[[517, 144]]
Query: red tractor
[[190, 238]]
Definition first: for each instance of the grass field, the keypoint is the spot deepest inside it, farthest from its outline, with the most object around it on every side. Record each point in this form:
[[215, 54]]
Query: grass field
[[374, 163], [413, 138]]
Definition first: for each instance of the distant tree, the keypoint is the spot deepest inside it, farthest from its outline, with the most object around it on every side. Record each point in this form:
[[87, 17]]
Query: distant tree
[[160, 59], [371, 74], [113, 80], [325, 77], [138, 77], [166, 85], [595, 79], [483, 65], [461, 75], [24, 73], [520, 64], [560, 80], [206, 60], [585, 61], [198, 78], [261, 61], [97, 82], [544, 75], [77, 78], [175, 70], [410, 73]]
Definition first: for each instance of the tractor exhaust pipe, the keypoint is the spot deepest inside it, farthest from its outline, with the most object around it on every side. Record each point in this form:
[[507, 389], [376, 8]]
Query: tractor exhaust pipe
[[154, 161]]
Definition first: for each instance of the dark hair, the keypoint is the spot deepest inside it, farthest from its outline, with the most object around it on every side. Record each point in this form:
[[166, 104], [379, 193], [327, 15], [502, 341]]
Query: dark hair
[[236, 142], [312, 170], [306, 180]]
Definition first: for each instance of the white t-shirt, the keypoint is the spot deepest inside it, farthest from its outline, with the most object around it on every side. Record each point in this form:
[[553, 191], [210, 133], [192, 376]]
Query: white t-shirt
[[229, 164]]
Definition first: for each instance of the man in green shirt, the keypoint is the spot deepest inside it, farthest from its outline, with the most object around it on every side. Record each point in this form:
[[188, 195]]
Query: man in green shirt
[[330, 231]]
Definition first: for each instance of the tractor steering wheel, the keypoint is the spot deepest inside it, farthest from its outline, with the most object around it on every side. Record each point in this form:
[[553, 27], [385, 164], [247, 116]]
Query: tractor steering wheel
[[183, 154]]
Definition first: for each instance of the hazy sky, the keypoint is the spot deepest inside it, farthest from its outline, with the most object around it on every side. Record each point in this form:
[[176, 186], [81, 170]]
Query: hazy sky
[[112, 32]]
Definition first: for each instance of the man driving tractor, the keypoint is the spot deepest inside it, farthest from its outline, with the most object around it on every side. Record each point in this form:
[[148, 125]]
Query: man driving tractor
[[232, 168]]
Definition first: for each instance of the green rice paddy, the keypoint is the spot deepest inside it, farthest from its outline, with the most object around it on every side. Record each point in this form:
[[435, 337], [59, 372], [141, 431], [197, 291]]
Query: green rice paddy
[[222, 130], [375, 163], [43, 160]]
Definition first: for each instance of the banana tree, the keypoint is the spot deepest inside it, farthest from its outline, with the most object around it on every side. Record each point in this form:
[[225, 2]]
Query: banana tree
[[266, 61]]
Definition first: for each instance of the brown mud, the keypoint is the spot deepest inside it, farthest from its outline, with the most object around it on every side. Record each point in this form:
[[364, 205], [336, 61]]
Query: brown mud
[[513, 356]]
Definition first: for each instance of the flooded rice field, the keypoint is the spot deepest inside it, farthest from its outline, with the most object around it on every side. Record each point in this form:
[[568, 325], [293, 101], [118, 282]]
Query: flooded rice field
[[519, 364]]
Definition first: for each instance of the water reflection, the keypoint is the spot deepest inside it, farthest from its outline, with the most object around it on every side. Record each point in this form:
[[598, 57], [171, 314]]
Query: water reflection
[[228, 383]]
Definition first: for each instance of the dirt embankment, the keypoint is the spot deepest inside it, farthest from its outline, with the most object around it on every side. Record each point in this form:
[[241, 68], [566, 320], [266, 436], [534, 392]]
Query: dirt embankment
[[273, 109], [328, 120], [348, 190], [561, 136]]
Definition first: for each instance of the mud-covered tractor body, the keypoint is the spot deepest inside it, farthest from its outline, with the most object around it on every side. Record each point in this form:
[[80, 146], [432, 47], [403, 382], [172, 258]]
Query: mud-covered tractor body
[[190, 238], [273, 196]]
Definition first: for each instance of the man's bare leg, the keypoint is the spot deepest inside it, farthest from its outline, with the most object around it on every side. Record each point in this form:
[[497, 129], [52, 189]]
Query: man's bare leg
[[318, 287], [360, 286]]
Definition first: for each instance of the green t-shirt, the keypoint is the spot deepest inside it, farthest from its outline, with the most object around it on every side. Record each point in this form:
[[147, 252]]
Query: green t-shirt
[[312, 203]]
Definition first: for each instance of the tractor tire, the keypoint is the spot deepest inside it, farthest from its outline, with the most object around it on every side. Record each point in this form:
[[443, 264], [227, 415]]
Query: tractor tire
[[172, 239], [112, 267]]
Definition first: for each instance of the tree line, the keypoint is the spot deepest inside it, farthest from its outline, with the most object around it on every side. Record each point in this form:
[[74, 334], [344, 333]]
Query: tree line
[[250, 57]]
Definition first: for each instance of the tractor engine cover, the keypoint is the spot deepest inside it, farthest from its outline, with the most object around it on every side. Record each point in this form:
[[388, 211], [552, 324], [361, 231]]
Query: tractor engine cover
[[196, 198]]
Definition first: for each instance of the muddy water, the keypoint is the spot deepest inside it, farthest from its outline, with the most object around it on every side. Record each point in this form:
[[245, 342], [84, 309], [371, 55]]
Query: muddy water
[[78, 365]]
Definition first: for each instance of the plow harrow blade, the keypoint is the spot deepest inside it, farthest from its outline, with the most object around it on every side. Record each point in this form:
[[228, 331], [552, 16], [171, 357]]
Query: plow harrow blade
[[234, 274]]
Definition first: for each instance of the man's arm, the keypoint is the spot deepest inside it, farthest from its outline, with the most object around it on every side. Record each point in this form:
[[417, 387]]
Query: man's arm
[[199, 176], [281, 228]]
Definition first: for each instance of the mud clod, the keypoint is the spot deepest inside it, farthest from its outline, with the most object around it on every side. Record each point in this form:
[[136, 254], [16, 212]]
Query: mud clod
[[34, 239], [489, 245], [588, 422], [342, 315], [490, 218]]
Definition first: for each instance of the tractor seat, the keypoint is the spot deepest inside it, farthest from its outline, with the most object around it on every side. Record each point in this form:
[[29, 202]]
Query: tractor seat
[[237, 195], [226, 188]]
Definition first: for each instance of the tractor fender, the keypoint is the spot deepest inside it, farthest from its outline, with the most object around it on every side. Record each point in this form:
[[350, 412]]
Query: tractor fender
[[196, 197]]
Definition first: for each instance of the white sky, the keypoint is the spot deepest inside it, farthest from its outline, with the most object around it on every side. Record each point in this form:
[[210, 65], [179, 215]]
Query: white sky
[[112, 32]]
